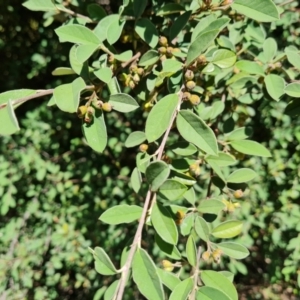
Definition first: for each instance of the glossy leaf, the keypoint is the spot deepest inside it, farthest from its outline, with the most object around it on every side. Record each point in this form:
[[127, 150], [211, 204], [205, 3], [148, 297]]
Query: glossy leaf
[[147, 31], [156, 174], [182, 290], [259, 10], [202, 229], [145, 276], [228, 229], [135, 138], [95, 133], [160, 117], [164, 224], [103, 264], [275, 85], [191, 252], [219, 281], [234, 250], [250, 148], [67, 95], [241, 175], [210, 206], [168, 279], [76, 34], [172, 190], [8, 121], [194, 130], [121, 214], [123, 103]]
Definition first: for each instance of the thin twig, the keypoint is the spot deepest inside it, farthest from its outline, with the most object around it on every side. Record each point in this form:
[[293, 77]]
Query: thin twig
[[195, 275], [133, 58], [74, 14]]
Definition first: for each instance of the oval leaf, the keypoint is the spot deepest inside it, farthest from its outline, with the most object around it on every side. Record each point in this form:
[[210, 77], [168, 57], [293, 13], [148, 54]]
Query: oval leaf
[[211, 206], [123, 103], [250, 148], [228, 229], [202, 229], [234, 250], [172, 190], [275, 86], [135, 138], [182, 290], [194, 130], [191, 252], [156, 174], [241, 176], [103, 264], [209, 293], [168, 279], [147, 31]]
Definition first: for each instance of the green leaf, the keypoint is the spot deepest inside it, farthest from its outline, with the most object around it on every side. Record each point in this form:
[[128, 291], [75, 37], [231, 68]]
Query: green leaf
[[139, 7], [145, 276], [164, 224], [179, 24], [124, 56], [250, 148], [147, 31], [67, 95], [96, 12], [171, 65], [293, 57], [168, 249], [275, 85], [202, 229], [100, 31], [113, 86], [234, 250], [203, 24], [250, 67], [194, 130], [223, 58], [135, 138], [259, 10], [170, 8], [136, 180], [156, 174], [95, 133], [219, 281], [222, 160], [211, 206], [111, 290], [160, 117], [149, 58], [142, 161], [239, 134], [120, 214], [8, 121], [62, 71], [183, 148], [270, 49], [228, 229], [241, 176], [103, 264], [76, 34], [15, 95], [216, 169], [168, 279], [114, 31], [293, 108], [209, 293], [84, 52], [172, 190], [104, 74], [201, 43], [182, 290], [123, 103], [190, 196], [78, 67], [40, 5], [191, 252], [293, 89]]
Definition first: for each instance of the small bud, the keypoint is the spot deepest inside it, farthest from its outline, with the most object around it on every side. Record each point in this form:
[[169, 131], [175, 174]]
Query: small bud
[[106, 107], [238, 194], [190, 84], [136, 78], [90, 110], [194, 99], [237, 205], [167, 265], [189, 75], [206, 256], [201, 59], [143, 147], [163, 41], [98, 104], [81, 111], [186, 96], [179, 217], [88, 118], [140, 71], [169, 51], [131, 84], [162, 50], [217, 255], [195, 169]]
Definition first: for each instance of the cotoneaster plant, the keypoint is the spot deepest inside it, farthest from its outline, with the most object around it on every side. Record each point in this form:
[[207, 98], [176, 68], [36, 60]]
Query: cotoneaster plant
[[192, 70]]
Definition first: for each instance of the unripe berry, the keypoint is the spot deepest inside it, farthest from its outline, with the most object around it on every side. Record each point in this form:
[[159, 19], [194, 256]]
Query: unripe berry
[[136, 78], [217, 255], [140, 71], [88, 118], [162, 50], [189, 75], [195, 169], [131, 84], [201, 59], [167, 265], [179, 217], [98, 104], [238, 194], [90, 110], [186, 96], [206, 256], [163, 41], [143, 147], [190, 84], [170, 51], [81, 111], [106, 107], [194, 99]]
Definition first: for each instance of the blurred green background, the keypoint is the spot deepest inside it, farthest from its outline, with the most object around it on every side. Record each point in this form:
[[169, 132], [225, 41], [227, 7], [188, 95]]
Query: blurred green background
[[53, 187]]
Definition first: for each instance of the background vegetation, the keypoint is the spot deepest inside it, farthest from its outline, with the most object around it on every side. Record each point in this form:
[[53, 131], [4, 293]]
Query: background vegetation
[[53, 187]]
